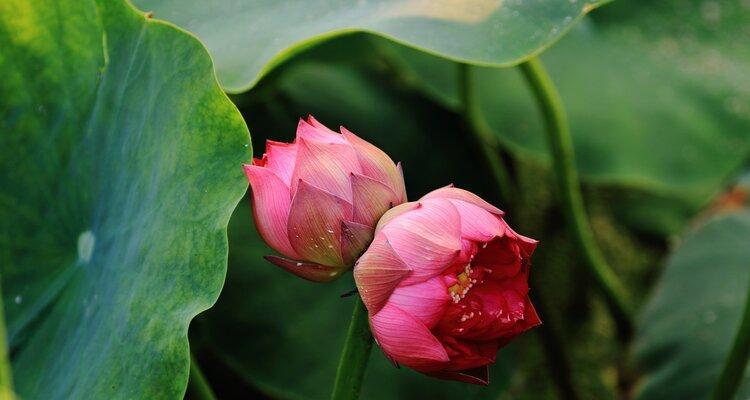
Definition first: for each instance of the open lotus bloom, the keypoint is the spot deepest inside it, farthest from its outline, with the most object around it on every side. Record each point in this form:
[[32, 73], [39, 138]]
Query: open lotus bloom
[[317, 200], [445, 282]]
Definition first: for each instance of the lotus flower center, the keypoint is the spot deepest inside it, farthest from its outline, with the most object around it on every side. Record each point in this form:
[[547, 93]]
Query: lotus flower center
[[464, 283]]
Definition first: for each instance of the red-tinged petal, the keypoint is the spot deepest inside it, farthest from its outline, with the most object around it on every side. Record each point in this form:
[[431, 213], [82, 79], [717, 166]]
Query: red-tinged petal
[[370, 199], [477, 376], [354, 240], [327, 166], [271, 202], [377, 272], [469, 249], [315, 224], [450, 192], [376, 164], [280, 158], [502, 256], [426, 301], [527, 244], [310, 271], [317, 133], [502, 308], [469, 354], [477, 223], [395, 212], [531, 320], [260, 162], [407, 340], [428, 238]]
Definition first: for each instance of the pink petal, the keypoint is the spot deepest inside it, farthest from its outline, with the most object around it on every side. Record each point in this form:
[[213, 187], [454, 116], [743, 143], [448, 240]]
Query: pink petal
[[427, 238], [469, 249], [527, 244], [377, 272], [271, 202], [317, 132], [401, 172], [315, 224], [280, 158], [327, 166], [426, 301], [406, 340], [371, 199], [354, 240], [477, 223], [395, 212], [310, 271], [315, 123], [450, 192], [376, 164]]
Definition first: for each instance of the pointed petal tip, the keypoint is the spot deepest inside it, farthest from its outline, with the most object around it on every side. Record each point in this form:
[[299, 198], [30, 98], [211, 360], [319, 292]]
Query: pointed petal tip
[[452, 192], [476, 376], [306, 270]]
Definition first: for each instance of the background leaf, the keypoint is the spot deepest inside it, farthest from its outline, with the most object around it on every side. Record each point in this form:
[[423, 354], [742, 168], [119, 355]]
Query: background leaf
[[248, 39], [120, 169], [657, 101], [688, 325]]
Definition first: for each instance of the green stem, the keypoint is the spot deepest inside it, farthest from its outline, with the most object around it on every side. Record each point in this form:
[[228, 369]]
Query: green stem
[[198, 385], [354, 356], [561, 147], [486, 140], [6, 379], [734, 367]]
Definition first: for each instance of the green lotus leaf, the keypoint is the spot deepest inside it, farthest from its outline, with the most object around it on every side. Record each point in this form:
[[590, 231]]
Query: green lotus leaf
[[656, 97], [688, 325], [249, 38], [120, 169]]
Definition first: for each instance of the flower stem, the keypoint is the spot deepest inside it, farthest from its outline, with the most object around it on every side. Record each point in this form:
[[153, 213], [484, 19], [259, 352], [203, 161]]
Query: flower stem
[[198, 385], [6, 379], [486, 140], [561, 147], [354, 356], [734, 367]]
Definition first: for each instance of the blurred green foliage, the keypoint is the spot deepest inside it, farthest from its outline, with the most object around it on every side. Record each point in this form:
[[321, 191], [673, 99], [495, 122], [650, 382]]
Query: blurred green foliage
[[124, 136]]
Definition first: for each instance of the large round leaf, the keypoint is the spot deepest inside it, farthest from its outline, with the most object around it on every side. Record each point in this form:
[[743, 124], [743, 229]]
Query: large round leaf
[[248, 38], [638, 118], [687, 328], [120, 168]]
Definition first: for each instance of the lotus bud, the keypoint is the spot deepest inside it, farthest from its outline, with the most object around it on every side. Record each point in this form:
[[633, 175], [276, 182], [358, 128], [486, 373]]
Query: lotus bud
[[317, 200]]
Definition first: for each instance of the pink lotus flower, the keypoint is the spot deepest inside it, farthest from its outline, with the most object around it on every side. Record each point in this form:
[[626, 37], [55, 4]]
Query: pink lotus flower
[[317, 200], [445, 282]]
